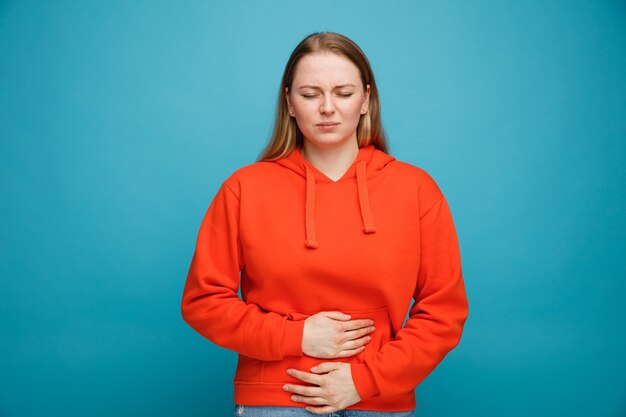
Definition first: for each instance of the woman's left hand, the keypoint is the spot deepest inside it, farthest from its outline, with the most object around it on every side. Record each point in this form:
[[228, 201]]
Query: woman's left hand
[[335, 390]]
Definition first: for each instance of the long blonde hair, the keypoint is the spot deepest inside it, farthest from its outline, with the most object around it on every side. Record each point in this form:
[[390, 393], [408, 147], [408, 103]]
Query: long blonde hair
[[287, 135]]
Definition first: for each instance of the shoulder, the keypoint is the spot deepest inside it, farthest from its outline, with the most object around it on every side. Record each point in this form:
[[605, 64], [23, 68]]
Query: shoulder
[[250, 174], [417, 176], [420, 181]]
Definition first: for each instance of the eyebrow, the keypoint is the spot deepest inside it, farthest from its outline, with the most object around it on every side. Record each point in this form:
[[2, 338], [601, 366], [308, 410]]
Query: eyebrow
[[318, 88]]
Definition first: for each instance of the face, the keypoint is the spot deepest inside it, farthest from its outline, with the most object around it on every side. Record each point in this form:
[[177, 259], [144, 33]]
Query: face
[[327, 98]]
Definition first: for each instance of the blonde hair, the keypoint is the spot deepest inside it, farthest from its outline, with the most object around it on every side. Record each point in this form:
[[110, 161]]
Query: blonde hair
[[286, 135]]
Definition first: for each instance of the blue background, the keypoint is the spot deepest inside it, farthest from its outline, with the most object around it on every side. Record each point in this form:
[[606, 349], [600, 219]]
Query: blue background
[[119, 120]]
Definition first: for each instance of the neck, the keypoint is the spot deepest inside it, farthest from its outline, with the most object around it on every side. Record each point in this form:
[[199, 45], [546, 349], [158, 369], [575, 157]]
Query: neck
[[334, 160]]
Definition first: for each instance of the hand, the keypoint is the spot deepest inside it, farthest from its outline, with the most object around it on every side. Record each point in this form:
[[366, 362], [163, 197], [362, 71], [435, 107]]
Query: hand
[[335, 390], [331, 334]]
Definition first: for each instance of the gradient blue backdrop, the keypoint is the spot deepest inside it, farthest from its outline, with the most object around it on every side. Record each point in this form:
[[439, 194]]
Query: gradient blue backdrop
[[120, 119]]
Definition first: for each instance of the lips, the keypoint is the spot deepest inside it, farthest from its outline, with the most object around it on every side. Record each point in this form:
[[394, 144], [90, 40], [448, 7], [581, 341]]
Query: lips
[[328, 124]]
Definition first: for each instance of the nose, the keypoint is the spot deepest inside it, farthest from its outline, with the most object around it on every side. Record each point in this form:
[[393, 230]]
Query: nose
[[327, 105]]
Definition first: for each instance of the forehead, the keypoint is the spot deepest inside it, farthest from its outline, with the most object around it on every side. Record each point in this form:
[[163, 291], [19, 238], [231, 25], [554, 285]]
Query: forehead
[[325, 69]]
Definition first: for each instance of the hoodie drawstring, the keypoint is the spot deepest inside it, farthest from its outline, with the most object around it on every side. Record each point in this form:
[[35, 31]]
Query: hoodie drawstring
[[364, 199], [364, 202], [309, 209]]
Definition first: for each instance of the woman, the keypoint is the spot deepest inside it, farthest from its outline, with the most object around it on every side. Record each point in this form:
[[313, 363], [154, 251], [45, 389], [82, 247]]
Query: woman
[[331, 239]]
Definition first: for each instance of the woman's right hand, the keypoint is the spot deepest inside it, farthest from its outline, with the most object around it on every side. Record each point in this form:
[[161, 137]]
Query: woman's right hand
[[331, 334]]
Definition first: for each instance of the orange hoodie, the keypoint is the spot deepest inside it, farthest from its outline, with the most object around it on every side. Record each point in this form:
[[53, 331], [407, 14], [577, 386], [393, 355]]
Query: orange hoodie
[[300, 243]]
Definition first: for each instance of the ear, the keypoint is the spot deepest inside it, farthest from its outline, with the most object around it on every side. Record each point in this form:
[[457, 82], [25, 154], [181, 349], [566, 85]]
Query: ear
[[287, 98], [366, 101]]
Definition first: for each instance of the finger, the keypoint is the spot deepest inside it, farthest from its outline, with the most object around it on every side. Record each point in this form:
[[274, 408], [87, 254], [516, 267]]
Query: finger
[[304, 390], [309, 400], [305, 376], [325, 367], [337, 315], [350, 352], [321, 410], [357, 324], [354, 334]]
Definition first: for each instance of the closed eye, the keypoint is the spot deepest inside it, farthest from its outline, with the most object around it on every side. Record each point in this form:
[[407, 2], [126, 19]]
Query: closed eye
[[314, 95]]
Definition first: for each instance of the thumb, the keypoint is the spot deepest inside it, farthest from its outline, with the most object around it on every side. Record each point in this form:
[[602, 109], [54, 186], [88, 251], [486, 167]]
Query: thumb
[[337, 315], [324, 367]]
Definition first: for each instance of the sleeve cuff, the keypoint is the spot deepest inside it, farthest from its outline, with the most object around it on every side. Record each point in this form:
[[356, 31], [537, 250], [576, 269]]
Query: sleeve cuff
[[292, 338], [363, 381]]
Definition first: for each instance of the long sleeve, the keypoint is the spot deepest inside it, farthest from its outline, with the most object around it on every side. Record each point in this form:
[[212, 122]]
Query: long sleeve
[[210, 303], [436, 318]]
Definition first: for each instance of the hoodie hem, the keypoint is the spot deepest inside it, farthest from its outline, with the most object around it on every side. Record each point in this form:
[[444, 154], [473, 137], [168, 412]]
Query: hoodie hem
[[272, 394]]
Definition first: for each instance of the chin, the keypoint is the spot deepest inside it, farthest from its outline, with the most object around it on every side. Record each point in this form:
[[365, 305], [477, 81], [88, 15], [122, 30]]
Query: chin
[[327, 142]]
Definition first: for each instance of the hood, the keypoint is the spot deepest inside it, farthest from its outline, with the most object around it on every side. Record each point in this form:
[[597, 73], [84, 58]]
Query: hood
[[368, 164]]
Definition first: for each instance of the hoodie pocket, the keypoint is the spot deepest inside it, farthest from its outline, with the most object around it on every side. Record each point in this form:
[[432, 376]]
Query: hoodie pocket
[[276, 371]]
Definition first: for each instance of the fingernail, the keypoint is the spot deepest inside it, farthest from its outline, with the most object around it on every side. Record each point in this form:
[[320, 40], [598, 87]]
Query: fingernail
[[285, 387]]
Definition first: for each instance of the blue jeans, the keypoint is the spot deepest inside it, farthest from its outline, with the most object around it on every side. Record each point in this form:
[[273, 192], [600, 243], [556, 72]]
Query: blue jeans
[[272, 411]]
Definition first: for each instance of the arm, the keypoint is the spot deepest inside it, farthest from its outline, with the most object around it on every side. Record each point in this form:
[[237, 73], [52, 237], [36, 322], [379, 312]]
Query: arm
[[210, 304], [436, 318]]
